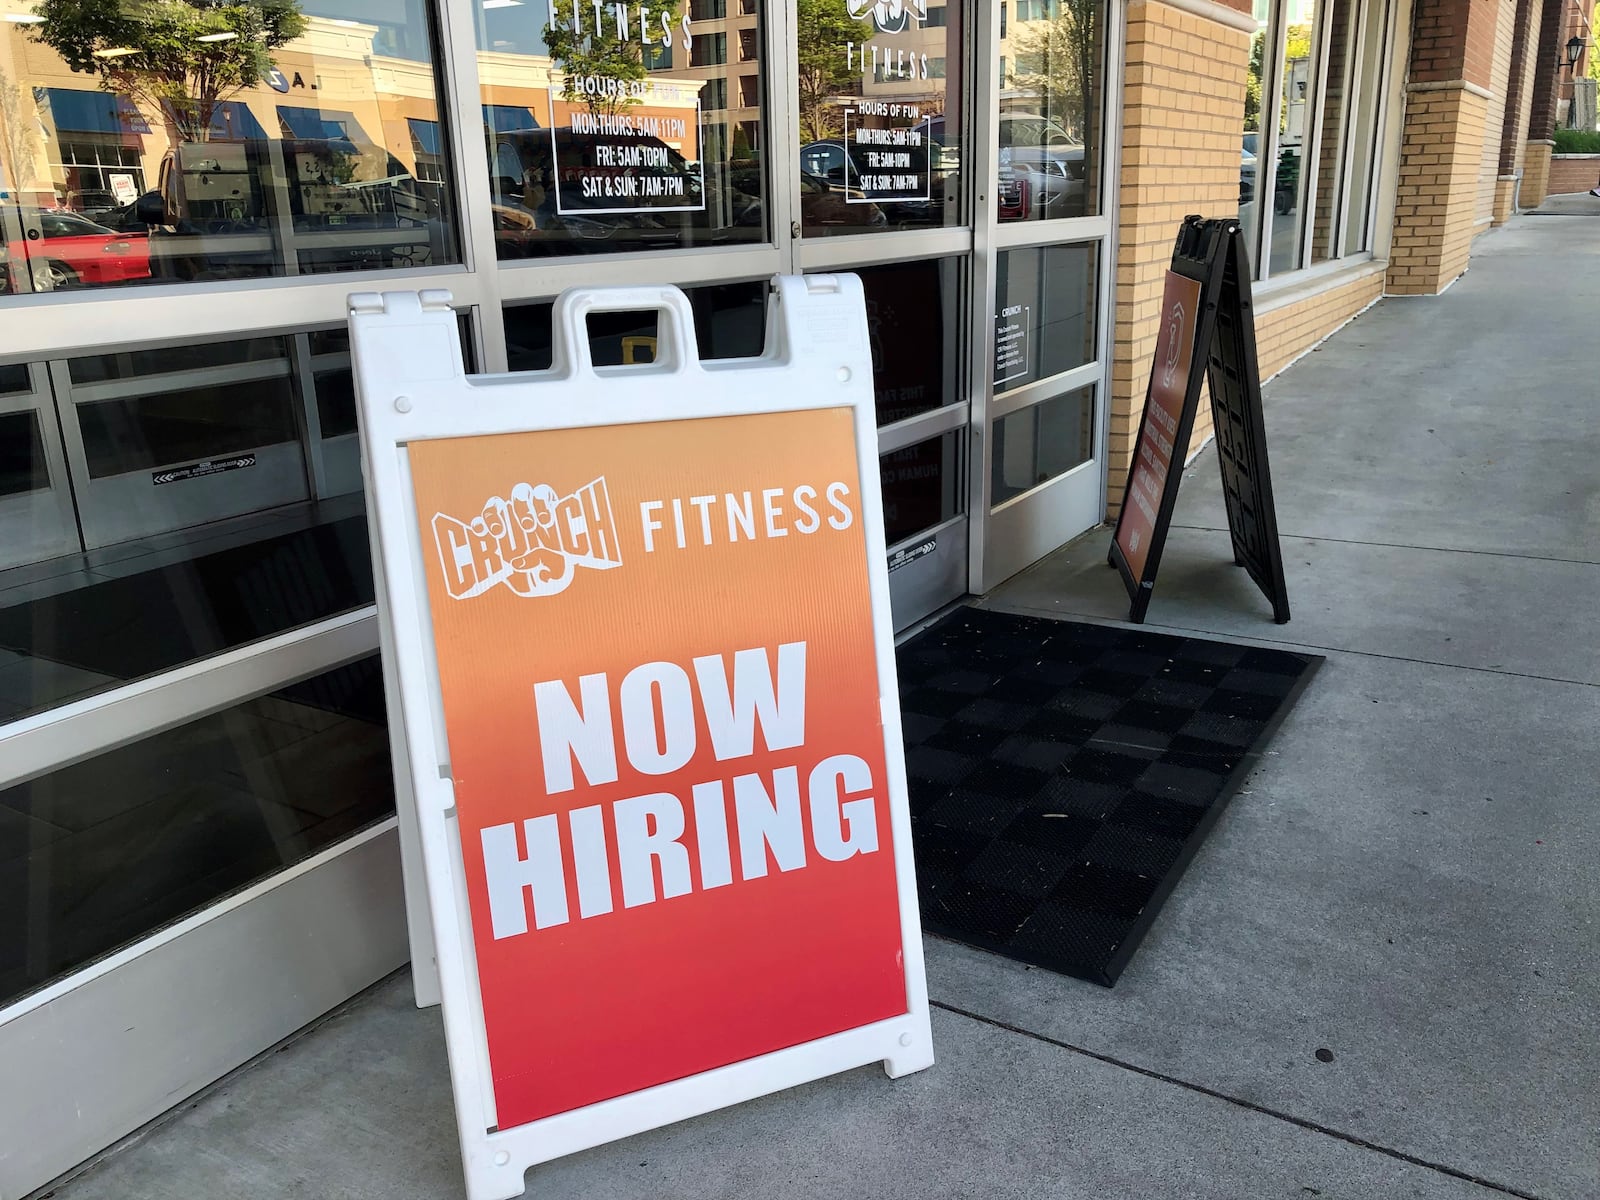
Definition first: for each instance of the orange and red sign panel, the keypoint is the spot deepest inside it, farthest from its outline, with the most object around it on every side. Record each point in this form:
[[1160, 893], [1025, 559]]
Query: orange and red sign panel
[[661, 697]]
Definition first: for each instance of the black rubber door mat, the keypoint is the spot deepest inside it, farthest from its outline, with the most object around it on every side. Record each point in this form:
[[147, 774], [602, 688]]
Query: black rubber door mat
[[1063, 775]]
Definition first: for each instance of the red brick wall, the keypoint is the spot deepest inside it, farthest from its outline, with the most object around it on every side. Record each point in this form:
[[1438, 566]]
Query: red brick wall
[[1573, 173], [1546, 77], [1453, 39]]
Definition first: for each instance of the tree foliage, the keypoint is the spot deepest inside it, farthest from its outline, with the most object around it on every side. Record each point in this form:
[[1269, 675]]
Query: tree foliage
[[19, 138], [604, 52], [150, 50], [1252, 83], [823, 29], [1056, 61]]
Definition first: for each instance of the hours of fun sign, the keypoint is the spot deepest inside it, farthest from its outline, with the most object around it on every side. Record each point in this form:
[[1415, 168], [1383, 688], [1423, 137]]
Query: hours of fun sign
[[889, 148], [679, 872], [626, 145]]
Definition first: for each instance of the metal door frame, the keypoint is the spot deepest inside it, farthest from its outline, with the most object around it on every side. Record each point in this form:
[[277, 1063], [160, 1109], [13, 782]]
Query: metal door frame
[[44, 518]]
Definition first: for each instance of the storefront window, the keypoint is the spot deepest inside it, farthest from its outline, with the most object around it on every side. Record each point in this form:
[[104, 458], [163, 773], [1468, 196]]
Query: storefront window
[[1306, 169], [190, 142], [1297, 101], [913, 322], [161, 506], [921, 486], [879, 101], [1051, 97], [621, 127], [99, 854], [1036, 444]]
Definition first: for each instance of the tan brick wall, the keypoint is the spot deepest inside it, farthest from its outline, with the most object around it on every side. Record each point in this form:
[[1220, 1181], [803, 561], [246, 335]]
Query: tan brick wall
[[1495, 116], [1535, 174], [1517, 123], [1441, 155], [1284, 334], [1183, 101], [1504, 195], [1573, 173]]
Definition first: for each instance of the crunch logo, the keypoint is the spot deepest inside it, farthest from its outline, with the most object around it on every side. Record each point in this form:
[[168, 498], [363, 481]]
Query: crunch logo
[[533, 543]]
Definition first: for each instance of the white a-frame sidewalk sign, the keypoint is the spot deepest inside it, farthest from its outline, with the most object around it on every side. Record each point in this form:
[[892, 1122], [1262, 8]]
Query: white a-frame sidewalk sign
[[641, 676]]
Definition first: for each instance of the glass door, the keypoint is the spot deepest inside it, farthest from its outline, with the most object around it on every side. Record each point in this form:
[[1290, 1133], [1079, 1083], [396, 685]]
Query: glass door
[[880, 118], [1045, 311], [979, 234]]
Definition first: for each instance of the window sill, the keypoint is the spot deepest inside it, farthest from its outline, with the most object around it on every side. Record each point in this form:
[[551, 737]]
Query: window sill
[[1301, 285]]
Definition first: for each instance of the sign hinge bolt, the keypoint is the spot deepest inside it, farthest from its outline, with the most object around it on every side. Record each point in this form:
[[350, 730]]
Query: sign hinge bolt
[[402, 404]]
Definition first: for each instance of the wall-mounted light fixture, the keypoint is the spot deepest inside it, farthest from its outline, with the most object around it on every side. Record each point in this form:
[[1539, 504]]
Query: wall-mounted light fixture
[[1575, 45]]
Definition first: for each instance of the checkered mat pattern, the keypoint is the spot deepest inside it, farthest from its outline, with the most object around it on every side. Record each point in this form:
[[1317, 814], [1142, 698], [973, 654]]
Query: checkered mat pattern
[[1062, 775]]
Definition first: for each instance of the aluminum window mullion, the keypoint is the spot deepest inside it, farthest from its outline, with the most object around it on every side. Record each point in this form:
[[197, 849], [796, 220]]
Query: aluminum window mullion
[[1311, 138], [921, 427], [1272, 52], [685, 268], [69, 733], [1023, 235], [827, 253], [983, 151], [137, 386], [779, 78], [1380, 123], [94, 322], [1352, 104], [1041, 391], [1111, 193], [461, 100]]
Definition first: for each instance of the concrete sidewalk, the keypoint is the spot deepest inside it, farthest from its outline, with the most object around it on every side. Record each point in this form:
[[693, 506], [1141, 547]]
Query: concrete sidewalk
[[1410, 882]]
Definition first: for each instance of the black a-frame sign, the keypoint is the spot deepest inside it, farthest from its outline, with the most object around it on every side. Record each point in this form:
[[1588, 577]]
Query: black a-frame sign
[[1207, 333]]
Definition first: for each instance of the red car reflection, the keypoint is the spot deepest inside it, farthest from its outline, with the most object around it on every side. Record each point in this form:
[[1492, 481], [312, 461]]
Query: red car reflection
[[63, 250]]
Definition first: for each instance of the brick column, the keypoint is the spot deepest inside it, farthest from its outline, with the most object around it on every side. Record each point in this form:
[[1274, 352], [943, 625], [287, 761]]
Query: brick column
[[1441, 149], [1519, 103], [1183, 106], [1542, 105]]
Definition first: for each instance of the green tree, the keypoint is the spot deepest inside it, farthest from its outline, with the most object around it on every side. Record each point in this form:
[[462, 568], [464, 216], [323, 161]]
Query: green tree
[[1252, 83], [823, 28], [180, 58], [1594, 48], [19, 140], [606, 51], [1057, 60]]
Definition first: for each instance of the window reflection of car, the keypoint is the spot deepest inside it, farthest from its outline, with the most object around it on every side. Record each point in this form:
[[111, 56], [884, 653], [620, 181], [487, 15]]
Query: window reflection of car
[[1038, 152], [523, 178], [826, 160], [516, 231], [824, 202], [222, 209], [1247, 169], [46, 250]]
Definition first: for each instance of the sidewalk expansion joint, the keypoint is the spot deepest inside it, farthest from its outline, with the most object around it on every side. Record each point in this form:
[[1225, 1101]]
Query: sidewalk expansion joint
[[1248, 1105], [1317, 537], [1256, 639]]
